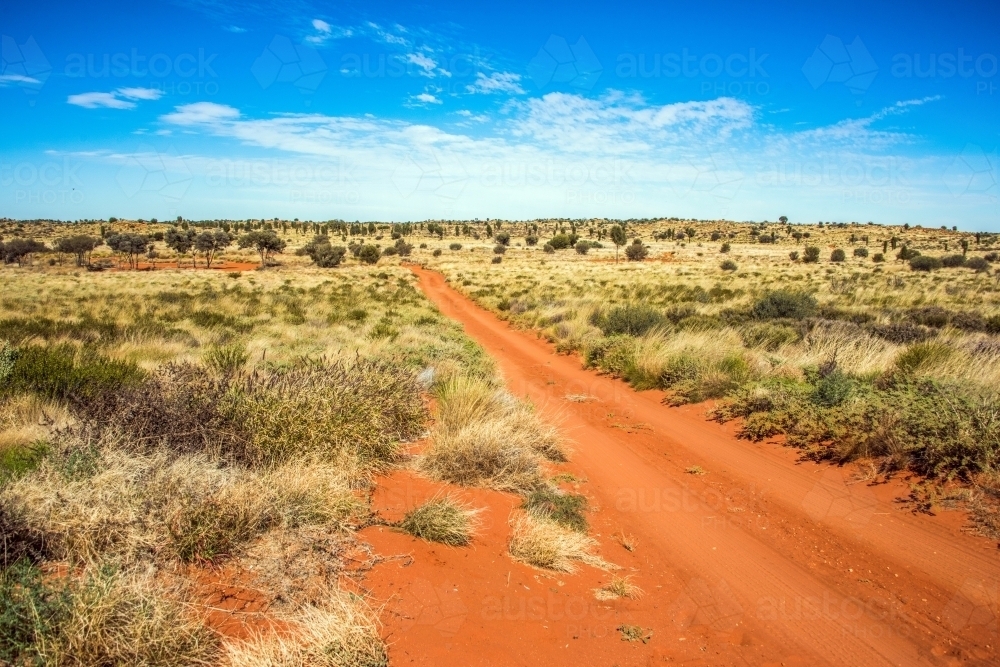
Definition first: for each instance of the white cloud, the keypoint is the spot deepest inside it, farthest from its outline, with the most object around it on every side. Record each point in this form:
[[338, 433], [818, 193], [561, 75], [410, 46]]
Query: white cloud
[[121, 98], [99, 101], [321, 25], [427, 98], [426, 64], [6, 79], [201, 113], [497, 82], [616, 155], [140, 93], [235, 28], [325, 31]]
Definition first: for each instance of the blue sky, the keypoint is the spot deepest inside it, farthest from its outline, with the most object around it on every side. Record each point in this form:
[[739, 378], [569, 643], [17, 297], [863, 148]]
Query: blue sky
[[378, 111]]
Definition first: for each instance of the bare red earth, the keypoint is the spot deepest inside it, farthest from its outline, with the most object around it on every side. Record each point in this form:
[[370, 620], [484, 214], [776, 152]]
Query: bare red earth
[[762, 560]]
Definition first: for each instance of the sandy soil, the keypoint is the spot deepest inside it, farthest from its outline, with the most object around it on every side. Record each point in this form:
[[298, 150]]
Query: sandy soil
[[762, 560]]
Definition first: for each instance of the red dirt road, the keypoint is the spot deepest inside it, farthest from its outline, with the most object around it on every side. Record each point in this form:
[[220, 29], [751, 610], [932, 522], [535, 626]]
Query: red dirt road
[[761, 560]]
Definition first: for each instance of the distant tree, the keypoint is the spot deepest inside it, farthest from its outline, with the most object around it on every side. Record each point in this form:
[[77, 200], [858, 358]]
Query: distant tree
[[210, 243], [21, 250], [179, 241], [618, 238], [266, 244], [130, 246], [80, 245], [783, 220]]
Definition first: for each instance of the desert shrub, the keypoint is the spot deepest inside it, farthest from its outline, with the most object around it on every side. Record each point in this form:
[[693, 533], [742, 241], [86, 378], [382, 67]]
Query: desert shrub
[[901, 333], [443, 520], [614, 354], [565, 509], [878, 257], [309, 409], [725, 247], [322, 253], [485, 437], [906, 253], [496, 259], [621, 587], [977, 264], [793, 255], [838, 255], [109, 503], [769, 335], [582, 247], [100, 618], [952, 261], [503, 238], [546, 544], [499, 249], [65, 372], [549, 248], [861, 252], [227, 359], [531, 239], [454, 246], [920, 356], [437, 252], [810, 255], [931, 316], [784, 304], [562, 241], [390, 251], [636, 252], [728, 265], [369, 254], [632, 319]]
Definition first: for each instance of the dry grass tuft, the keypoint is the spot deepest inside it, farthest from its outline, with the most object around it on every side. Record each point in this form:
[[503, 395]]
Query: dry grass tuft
[[90, 504], [100, 617], [341, 634], [486, 437], [444, 520], [619, 587], [548, 545]]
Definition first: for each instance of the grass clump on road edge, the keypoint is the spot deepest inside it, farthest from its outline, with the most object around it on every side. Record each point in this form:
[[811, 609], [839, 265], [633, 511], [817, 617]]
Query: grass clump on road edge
[[547, 545], [442, 520], [486, 437], [565, 509], [619, 587]]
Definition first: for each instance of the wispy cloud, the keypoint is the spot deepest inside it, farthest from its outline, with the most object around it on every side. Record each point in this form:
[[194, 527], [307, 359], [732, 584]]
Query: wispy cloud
[[122, 98], [497, 82], [8, 79]]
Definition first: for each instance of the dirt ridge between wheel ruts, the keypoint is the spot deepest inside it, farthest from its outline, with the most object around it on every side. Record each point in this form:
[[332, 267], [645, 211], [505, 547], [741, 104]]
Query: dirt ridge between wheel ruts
[[774, 558]]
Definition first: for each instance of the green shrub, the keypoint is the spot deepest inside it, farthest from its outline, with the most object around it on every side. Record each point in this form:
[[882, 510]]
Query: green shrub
[[499, 249], [878, 257], [369, 254], [728, 265], [636, 252], [496, 259], [861, 252], [227, 358], [632, 319], [952, 261], [562, 241], [925, 263], [549, 248], [454, 246], [725, 247], [838, 255], [810, 255], [768, 336], [784, 304], [437, 252], [921, 356], [977, 264], [566, 509], [582, 247], [64, 372]]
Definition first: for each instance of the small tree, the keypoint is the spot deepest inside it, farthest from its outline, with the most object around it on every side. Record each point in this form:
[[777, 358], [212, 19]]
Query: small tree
[[618, 238], [21, 250], [129, 245], [80, 245], [265, 243], [210, 243], [180, 241], [322, 253]]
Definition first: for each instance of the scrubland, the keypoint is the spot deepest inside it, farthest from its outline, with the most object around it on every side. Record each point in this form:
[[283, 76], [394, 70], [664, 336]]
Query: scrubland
[[156, 425]]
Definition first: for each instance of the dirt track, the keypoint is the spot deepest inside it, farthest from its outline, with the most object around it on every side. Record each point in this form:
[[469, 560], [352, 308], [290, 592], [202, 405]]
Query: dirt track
[[761, 560]]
